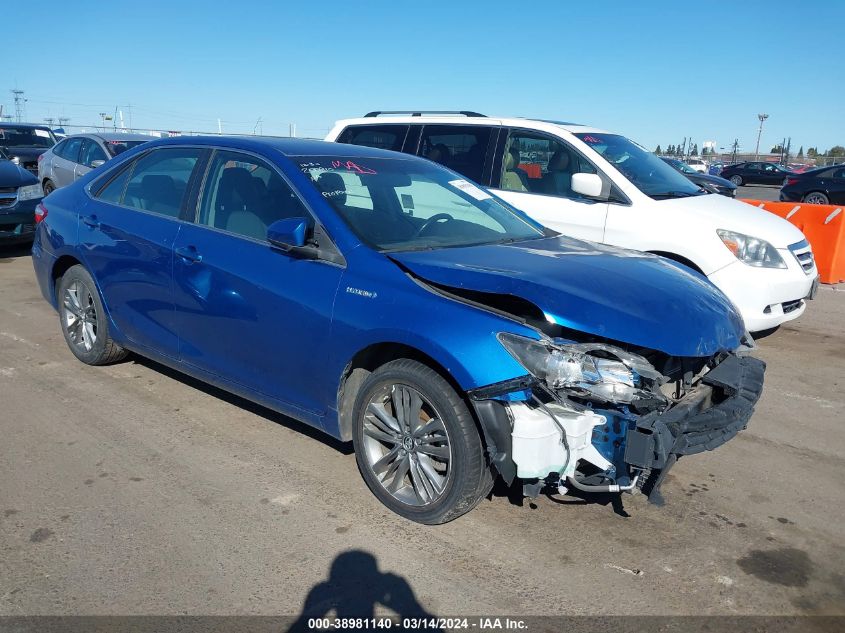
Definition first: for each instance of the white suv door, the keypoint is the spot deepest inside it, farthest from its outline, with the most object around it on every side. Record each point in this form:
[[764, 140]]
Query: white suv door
[[536, 177]]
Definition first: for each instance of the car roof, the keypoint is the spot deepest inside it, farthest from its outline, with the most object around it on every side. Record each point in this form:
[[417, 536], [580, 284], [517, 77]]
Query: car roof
[[31, 126], [546, 124], [284, 145]]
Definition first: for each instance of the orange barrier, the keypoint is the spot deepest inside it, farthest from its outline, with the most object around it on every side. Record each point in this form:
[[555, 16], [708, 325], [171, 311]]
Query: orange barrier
[[824, 227]]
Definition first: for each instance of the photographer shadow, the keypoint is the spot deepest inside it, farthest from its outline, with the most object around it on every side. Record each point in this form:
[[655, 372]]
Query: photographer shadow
[[353, 589]]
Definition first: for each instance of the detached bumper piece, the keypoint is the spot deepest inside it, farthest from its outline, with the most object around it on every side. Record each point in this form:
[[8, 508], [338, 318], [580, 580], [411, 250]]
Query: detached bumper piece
[[710, 415]]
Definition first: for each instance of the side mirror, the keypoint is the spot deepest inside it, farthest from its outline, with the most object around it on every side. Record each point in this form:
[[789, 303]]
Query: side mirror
[[96, 163], [589, 185], [288, 233]]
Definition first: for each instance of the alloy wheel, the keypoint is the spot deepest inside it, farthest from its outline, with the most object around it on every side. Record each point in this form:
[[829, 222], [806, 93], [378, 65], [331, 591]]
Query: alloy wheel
[[80, 315], [406, 445], [815, 198]]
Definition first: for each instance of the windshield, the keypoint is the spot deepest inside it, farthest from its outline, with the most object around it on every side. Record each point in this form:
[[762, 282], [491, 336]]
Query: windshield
[[118, 147], [399, 205], [13, 136], [645, 170]]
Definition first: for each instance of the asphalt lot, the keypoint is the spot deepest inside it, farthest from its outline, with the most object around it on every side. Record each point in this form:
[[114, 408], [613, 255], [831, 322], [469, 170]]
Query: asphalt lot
[[758, 192], [131, 489]]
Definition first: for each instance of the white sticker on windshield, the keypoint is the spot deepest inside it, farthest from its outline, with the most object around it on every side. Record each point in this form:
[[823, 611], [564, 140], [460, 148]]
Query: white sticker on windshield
[[470, 189], [43, 133]]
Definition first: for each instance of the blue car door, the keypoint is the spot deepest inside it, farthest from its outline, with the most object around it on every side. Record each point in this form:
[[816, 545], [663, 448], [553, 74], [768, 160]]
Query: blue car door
[[126, 234], [245, 311]]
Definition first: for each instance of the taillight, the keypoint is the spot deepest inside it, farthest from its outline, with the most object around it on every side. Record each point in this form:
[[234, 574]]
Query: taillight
[[40, 156], [791, 181], [40, 213]]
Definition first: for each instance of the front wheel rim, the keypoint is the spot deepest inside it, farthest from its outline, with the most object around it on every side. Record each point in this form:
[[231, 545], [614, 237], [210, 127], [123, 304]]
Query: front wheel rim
[[79, 315], [815, 199], [406, 445]]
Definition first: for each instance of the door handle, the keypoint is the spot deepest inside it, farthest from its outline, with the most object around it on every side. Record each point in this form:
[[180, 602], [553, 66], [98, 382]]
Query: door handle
[[91, 221], [189, 254]]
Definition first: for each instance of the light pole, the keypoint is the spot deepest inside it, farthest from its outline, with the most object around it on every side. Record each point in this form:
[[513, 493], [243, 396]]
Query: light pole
[[762, 118]]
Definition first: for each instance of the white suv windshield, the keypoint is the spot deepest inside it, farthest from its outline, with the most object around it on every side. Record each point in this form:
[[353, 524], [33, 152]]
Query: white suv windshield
[[398, 205], [645, 170]]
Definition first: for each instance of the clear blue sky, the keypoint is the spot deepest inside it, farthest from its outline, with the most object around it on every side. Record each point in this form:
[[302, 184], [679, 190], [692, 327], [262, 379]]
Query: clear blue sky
[[655, 71]]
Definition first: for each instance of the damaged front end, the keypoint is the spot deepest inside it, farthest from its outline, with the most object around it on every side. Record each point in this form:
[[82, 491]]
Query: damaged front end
[[601, 418]]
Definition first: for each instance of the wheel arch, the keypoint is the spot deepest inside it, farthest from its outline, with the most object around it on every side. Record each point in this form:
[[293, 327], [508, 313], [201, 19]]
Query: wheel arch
[[60, 267], [679, 259], [367, 360]]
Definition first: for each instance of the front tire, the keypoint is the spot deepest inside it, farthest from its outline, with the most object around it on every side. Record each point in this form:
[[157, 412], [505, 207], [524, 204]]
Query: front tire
[[816, 197], [417, 445], [48, 187], [83, 319], [737, 180]]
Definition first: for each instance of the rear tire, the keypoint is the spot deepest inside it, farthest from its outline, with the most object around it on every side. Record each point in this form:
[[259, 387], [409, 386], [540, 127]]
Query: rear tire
[[48, 187], [816, 197], [737, 180], [83, 319], [417, 445]]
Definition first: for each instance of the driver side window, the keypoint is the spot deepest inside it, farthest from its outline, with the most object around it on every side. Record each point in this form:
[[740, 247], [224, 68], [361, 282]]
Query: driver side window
[[535, 163]]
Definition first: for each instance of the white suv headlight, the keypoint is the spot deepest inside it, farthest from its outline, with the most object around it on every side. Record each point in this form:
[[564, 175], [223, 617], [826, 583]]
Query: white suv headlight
[[751, 250], [29, 192]]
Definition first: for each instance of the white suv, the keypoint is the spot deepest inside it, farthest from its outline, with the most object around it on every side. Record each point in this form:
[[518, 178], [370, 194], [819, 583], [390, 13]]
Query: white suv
[[600, 186]]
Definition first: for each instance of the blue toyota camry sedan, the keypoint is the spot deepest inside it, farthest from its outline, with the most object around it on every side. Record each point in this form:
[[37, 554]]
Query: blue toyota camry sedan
[[388, 301]]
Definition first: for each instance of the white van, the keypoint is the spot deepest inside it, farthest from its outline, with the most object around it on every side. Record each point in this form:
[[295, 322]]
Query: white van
[[600, 186]]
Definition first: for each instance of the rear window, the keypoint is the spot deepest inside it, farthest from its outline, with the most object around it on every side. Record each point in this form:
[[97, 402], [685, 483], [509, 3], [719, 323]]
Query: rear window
[[118, 147], [14, 136], [389, 137]]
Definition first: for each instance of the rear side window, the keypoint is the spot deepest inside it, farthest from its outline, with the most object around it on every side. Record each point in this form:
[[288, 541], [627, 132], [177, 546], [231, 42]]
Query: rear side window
[[71, 150], [59, 148], [381, 136], [462, 148], [156, 181], [113, 192]]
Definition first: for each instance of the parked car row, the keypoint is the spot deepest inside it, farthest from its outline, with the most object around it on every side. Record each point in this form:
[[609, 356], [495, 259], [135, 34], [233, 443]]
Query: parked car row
[[392, 302], [713, 184]]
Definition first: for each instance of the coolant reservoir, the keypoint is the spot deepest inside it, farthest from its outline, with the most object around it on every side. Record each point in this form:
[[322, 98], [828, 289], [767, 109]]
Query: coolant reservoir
[[537, 448]]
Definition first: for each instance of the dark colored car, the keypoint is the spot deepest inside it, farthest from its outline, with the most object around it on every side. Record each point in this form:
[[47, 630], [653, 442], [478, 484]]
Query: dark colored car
[[755, 173], [390, 302], [25, 142], [713, 184], [825, 185], [20, 193]]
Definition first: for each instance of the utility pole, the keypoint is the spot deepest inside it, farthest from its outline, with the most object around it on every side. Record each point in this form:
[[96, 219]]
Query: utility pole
[[292, 130], [762, 118], [19, 104], [736, 145], [62, 121], [49, 121], [786, 152]]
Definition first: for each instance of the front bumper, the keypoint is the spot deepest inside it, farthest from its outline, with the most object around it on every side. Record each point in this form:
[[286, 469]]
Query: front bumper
[[17, 223], [766, 297], [710, 415]]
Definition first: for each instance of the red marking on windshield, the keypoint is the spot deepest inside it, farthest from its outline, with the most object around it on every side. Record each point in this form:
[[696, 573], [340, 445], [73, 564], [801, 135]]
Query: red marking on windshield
[[591, 139], [352, 167]]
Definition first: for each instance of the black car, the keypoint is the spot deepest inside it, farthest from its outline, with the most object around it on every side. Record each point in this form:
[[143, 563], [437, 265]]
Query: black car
[[25, 142], [20, 193], [755, 173], [825, 185], [713, 184]]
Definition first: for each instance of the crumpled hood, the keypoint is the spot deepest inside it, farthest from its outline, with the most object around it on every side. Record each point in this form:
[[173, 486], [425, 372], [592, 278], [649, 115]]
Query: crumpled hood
[[627, 296]]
